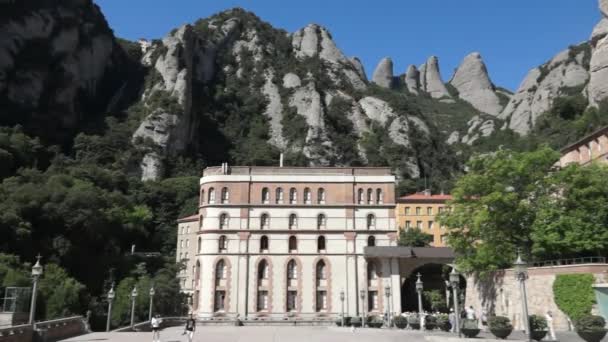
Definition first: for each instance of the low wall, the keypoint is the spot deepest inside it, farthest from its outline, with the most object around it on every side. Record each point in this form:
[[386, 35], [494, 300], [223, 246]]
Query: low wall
[[18, 333], [59, 329], [500, 293]]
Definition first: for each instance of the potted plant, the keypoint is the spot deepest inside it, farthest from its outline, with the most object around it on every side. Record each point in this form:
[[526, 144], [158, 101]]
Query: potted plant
[[374, 322], [414, 321], [591, 328], [443, 322], [470, 328], [538, 327], [346, 321], [400, 322], [430, 322], [500, 326], [355, 321]]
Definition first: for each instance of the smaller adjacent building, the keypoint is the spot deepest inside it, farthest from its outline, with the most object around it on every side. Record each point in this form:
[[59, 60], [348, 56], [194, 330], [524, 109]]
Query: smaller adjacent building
[[419, 210], [187, 229], [593, 147]]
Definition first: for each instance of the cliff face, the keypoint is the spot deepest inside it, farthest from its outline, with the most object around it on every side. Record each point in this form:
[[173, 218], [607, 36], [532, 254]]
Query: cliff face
[[60, 66]]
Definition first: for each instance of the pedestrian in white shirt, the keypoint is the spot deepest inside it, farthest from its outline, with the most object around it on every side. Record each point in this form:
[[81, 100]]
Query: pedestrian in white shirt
[[155, 323]]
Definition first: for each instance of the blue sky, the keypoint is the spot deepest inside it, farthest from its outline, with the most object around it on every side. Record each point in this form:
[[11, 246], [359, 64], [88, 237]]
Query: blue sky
[[513, 36]]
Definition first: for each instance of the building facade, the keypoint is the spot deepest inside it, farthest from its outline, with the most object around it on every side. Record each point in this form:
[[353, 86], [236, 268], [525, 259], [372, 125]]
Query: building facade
[[593, 147], [419, 210], [284, 241]]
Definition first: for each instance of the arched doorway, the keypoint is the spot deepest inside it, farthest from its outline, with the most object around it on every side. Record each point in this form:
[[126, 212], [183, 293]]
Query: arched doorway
[[434, 294]]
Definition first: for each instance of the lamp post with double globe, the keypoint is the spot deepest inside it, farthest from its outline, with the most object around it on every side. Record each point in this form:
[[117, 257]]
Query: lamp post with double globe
[[152, 293], [455, 283], [342, 301], [111, 295], [133, 297], [419, 288], [387, 293], [36, 273], [521, 273], [362, 294]]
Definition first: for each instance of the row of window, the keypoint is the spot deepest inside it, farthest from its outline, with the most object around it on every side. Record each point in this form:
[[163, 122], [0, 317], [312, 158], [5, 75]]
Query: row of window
[[292, 223], [371, 198], [429, 210], [419, 224], [265, 245]]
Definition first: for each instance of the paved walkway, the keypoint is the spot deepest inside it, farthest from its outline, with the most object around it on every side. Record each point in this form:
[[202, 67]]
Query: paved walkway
[[295, 334]]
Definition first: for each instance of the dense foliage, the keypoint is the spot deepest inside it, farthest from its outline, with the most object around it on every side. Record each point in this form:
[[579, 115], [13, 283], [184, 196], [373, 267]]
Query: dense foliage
[[510, 200], [414, 237], [574, 295]]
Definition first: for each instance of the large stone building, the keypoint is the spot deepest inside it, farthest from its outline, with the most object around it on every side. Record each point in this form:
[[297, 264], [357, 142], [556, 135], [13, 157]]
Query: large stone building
[[419, 210], [593, 147], [279, 242]]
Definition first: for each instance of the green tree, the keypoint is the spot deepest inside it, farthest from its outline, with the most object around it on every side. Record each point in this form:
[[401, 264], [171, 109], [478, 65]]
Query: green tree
[[61, 295], [573, 215], [414, 237], [495, 206]]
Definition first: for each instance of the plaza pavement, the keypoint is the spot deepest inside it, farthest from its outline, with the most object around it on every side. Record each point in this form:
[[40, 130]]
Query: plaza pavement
[[296, 334]]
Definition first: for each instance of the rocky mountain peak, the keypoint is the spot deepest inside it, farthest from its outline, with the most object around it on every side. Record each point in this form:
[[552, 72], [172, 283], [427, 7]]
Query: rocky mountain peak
[[383, 74], [430, 79], [314, 40], [473, 83], [412, 79]]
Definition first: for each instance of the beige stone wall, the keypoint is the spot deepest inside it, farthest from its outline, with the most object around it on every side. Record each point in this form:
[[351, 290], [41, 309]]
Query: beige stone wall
[[502, 295]]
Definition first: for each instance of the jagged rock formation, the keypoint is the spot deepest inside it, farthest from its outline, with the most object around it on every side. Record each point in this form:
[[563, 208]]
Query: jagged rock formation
[[474, 86], [430, 79], [597, 89], [383, 74], [412, 79]]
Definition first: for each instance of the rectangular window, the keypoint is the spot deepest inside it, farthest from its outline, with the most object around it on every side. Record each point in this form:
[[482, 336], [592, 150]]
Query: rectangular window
[[417, 210], [220, 298], [407, 210], [408, 224], [291, 300], [419, 224], [440, 210], [321, 300], [429, 210], [372, 300], [431, 225], [262, 300]]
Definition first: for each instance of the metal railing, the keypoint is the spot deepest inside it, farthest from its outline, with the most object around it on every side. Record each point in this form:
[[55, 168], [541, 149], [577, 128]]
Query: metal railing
[[572, 261]]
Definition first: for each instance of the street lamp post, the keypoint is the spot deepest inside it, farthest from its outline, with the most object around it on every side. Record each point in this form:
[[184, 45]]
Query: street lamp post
[[152, 292], [342, 300], [362, 294], [110, 299], [447, 293], [36, 273], [133, 296], [387, 292], [419, 288], [455, 282], [521, 273]]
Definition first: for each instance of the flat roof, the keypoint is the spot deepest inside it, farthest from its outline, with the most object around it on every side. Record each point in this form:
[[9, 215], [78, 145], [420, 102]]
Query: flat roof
[[575, 145], [188, 218], [298, 170], [445, 253], [421, 197]]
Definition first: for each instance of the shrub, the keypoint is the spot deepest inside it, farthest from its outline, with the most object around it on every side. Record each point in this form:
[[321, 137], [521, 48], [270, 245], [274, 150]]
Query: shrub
[[355, 321], [470, 328], [430, 322], [346, 321], [590, 323], [500, 326], [538, 323], [400, 322], [573, 294], [443, 322], [374, 321]]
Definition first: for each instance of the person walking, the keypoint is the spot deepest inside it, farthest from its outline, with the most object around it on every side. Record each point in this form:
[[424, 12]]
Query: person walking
[[190, 328], [155, 323], [470, 312]]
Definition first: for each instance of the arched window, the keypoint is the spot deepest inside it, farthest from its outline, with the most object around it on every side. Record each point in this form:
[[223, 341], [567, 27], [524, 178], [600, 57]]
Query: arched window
[[321, 196], [222, 243], [199, 245], [265, 196], [202, 197], [360, 197], [293, 244], [292, 270], [379, 196], [372, 272], [321, 243], [307, 196], [264, 243], [220, 270], [293, 221], [223, 221], [293, 196], [264, 221], [225, 196], [371, 221], [200, 222], [211, 196], [321, 270], [263, 270], [279, 196], [187, 243], [321, 221], [371, 241], [370, 196]]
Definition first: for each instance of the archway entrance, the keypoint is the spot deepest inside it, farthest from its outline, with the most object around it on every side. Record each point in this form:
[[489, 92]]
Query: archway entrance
[[433, 277]]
